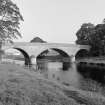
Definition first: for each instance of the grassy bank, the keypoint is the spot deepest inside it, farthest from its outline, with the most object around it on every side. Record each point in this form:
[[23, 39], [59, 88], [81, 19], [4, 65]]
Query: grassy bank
[[19, 86]]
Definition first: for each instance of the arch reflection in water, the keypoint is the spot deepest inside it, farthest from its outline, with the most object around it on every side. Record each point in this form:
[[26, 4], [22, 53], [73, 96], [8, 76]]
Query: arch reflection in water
[[70, 77]]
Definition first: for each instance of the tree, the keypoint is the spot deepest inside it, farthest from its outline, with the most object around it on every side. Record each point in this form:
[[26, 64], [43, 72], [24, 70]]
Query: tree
[[37, 40], [83, 34], [94, 36], [10, 18]]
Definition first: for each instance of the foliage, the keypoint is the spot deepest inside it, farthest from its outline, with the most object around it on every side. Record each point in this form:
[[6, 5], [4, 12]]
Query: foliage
[[37, 40], [10, 18], [93, 35], [83, 33]]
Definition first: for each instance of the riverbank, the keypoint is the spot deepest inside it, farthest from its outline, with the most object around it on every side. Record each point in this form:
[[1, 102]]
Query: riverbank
[[19, 86], [92, 60]]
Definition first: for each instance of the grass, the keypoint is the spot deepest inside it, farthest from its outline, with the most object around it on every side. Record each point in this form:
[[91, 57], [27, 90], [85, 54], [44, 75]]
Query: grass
[[92, 85], [18, 86]]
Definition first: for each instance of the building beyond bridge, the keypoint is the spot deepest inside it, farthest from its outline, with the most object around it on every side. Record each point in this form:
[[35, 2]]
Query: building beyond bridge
[[35, 49]]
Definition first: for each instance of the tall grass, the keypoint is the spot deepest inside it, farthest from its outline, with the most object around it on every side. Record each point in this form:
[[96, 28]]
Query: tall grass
[[19, 86], [88, 84]]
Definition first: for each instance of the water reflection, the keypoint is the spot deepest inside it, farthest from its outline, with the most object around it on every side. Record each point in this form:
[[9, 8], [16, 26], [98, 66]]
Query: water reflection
[[55, 71]]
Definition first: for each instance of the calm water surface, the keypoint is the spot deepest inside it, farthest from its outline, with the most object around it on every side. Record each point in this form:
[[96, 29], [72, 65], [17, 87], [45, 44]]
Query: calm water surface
[[68, 77]]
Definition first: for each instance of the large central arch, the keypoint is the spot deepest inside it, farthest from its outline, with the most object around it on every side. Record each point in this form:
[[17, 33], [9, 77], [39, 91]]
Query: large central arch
[[63, 57], [61, 52]]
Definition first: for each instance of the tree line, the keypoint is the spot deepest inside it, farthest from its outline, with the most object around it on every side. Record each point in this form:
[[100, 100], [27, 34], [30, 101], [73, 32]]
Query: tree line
[[93, 35]]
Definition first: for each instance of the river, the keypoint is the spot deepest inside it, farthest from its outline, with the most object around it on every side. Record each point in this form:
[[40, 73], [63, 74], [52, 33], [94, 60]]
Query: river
[[76, 76], [54, 71]]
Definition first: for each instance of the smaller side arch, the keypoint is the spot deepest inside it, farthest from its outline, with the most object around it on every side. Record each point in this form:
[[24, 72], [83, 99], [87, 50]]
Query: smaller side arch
[[26, 56], [82, 53]]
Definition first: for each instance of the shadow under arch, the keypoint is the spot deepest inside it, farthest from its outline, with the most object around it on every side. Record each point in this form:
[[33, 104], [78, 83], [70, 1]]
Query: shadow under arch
[[81, 54], [26, 56], [63, 53], [62, 57]]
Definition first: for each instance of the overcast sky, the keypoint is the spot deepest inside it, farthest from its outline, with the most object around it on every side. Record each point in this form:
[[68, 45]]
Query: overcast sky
[[58, 20]]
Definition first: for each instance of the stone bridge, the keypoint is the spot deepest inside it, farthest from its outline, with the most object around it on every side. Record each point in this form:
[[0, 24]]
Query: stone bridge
[[35, 49]]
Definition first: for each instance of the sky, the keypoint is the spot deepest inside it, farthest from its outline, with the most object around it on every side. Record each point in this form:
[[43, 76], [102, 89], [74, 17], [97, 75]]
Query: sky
[[57, 21]]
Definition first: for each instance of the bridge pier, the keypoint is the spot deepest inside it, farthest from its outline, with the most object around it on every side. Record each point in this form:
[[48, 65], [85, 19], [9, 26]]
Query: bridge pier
[[33, 62], [72, 57]]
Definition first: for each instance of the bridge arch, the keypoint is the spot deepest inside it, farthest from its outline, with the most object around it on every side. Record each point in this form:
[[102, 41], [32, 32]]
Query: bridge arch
[[25, 54], [62, 57], [61, 52], [82, 53]]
